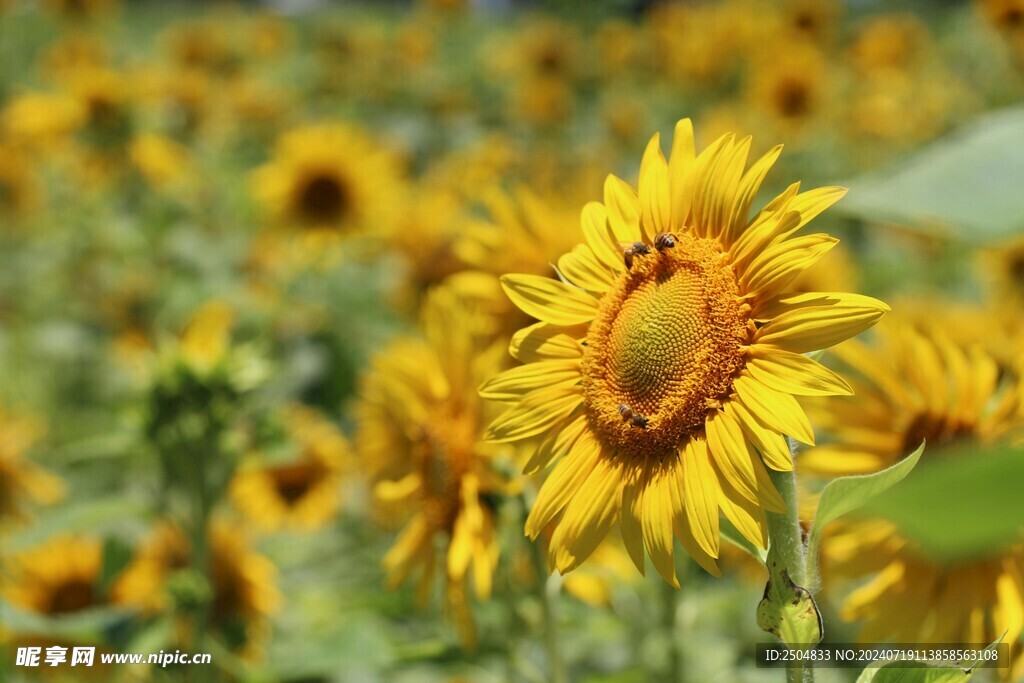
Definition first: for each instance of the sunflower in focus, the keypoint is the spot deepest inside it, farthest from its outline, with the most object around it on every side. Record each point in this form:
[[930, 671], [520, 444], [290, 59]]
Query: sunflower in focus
[[21, 480], [242, 581], [329, 178], [419, 423], [662, 372], [913, 386], [302, 493], [58, 577]]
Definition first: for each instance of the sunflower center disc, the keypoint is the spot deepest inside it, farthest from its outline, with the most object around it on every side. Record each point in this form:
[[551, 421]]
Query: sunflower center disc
[[666, 344]]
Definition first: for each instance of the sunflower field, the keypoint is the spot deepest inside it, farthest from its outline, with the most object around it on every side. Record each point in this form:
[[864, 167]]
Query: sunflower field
[[550, 341]]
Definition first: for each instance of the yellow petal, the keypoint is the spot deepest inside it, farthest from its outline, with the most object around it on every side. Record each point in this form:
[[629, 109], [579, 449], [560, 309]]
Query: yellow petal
[[779, 411], [680, 165], [581, 267], [727, 183], [700, 488], [746, 516], [749, 185], [770, 444], [559, 442], [623, 207], [730, 452], [512, 384], [563, 483], [534, 414], [599, 235], [818, 327], [589, 516], [542, 341], [781, 263], [653, 190], [629, 522], [549, 300], [792, 373], [657, 513]]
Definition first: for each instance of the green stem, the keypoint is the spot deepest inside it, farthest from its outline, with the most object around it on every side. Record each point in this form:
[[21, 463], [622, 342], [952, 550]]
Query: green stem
[[670, 604], [549, 591], [786, 540]]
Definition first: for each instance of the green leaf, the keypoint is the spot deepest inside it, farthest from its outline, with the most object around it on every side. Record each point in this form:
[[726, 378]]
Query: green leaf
[[846, 494], [965, 185], [788, 611], [963, 504]]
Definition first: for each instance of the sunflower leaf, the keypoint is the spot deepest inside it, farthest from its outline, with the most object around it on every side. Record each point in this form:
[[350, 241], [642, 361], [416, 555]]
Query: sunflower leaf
[[846, 494], [788, 610], [965, 504], [965, 185]]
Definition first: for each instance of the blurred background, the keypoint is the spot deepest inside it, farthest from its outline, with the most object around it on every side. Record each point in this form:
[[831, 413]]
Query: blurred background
[[239, 240]]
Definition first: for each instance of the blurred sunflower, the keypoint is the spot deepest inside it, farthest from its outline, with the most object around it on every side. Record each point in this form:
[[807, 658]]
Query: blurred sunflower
[[60, 576], [42, 120], [1004, 267], [160, 160], [77, 10], [19, 186], [300, 494], [329, 178], [660, 383], [891, 41], [914, 386], [790, 89], [419, 421], [21, 480], [242, 582]]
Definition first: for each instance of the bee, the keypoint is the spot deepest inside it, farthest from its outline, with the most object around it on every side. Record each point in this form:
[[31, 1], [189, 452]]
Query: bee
[[664, 240], [635, 419], [635, 249]]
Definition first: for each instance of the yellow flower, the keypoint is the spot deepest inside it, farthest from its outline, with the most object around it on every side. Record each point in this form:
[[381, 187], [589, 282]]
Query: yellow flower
[[913, 386], [790, 88], [21, 480], [205, 340], [302, 493], [1005, 15], [80, 9], [660, 381], [243, 591], [892, 41], [160, 160], [915, 383], [41, 119], [1004, 266], [419, 421], [329, 178], [19, 185], [60, 576]]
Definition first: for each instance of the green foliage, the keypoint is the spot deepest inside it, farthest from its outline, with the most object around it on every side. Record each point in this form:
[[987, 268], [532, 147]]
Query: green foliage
[[966, 503], [846, 494], [966, 186]]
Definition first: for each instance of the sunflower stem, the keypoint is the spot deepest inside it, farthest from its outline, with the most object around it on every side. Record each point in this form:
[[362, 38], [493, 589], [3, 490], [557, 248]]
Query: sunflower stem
[[670, 622], [786, 542], [550, 586]]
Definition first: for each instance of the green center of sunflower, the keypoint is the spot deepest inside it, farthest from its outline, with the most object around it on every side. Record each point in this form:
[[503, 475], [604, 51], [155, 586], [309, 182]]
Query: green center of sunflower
[[324, 199], [664, 347]]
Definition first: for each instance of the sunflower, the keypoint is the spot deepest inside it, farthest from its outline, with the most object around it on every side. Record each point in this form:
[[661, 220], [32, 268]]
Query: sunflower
[[1004, 266], [791, 89], [892, 41], [58, 577], [302, 493], [1005, 15], [21, 480], [419, 423], [916, 385], [329, 178], [243, 591], [160, 160], [660, 381], [19, 187]]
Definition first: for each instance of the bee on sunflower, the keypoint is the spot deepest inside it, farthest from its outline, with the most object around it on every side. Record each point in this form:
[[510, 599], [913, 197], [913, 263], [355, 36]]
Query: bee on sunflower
[[917, 385], [419, 427], [661, 376]]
